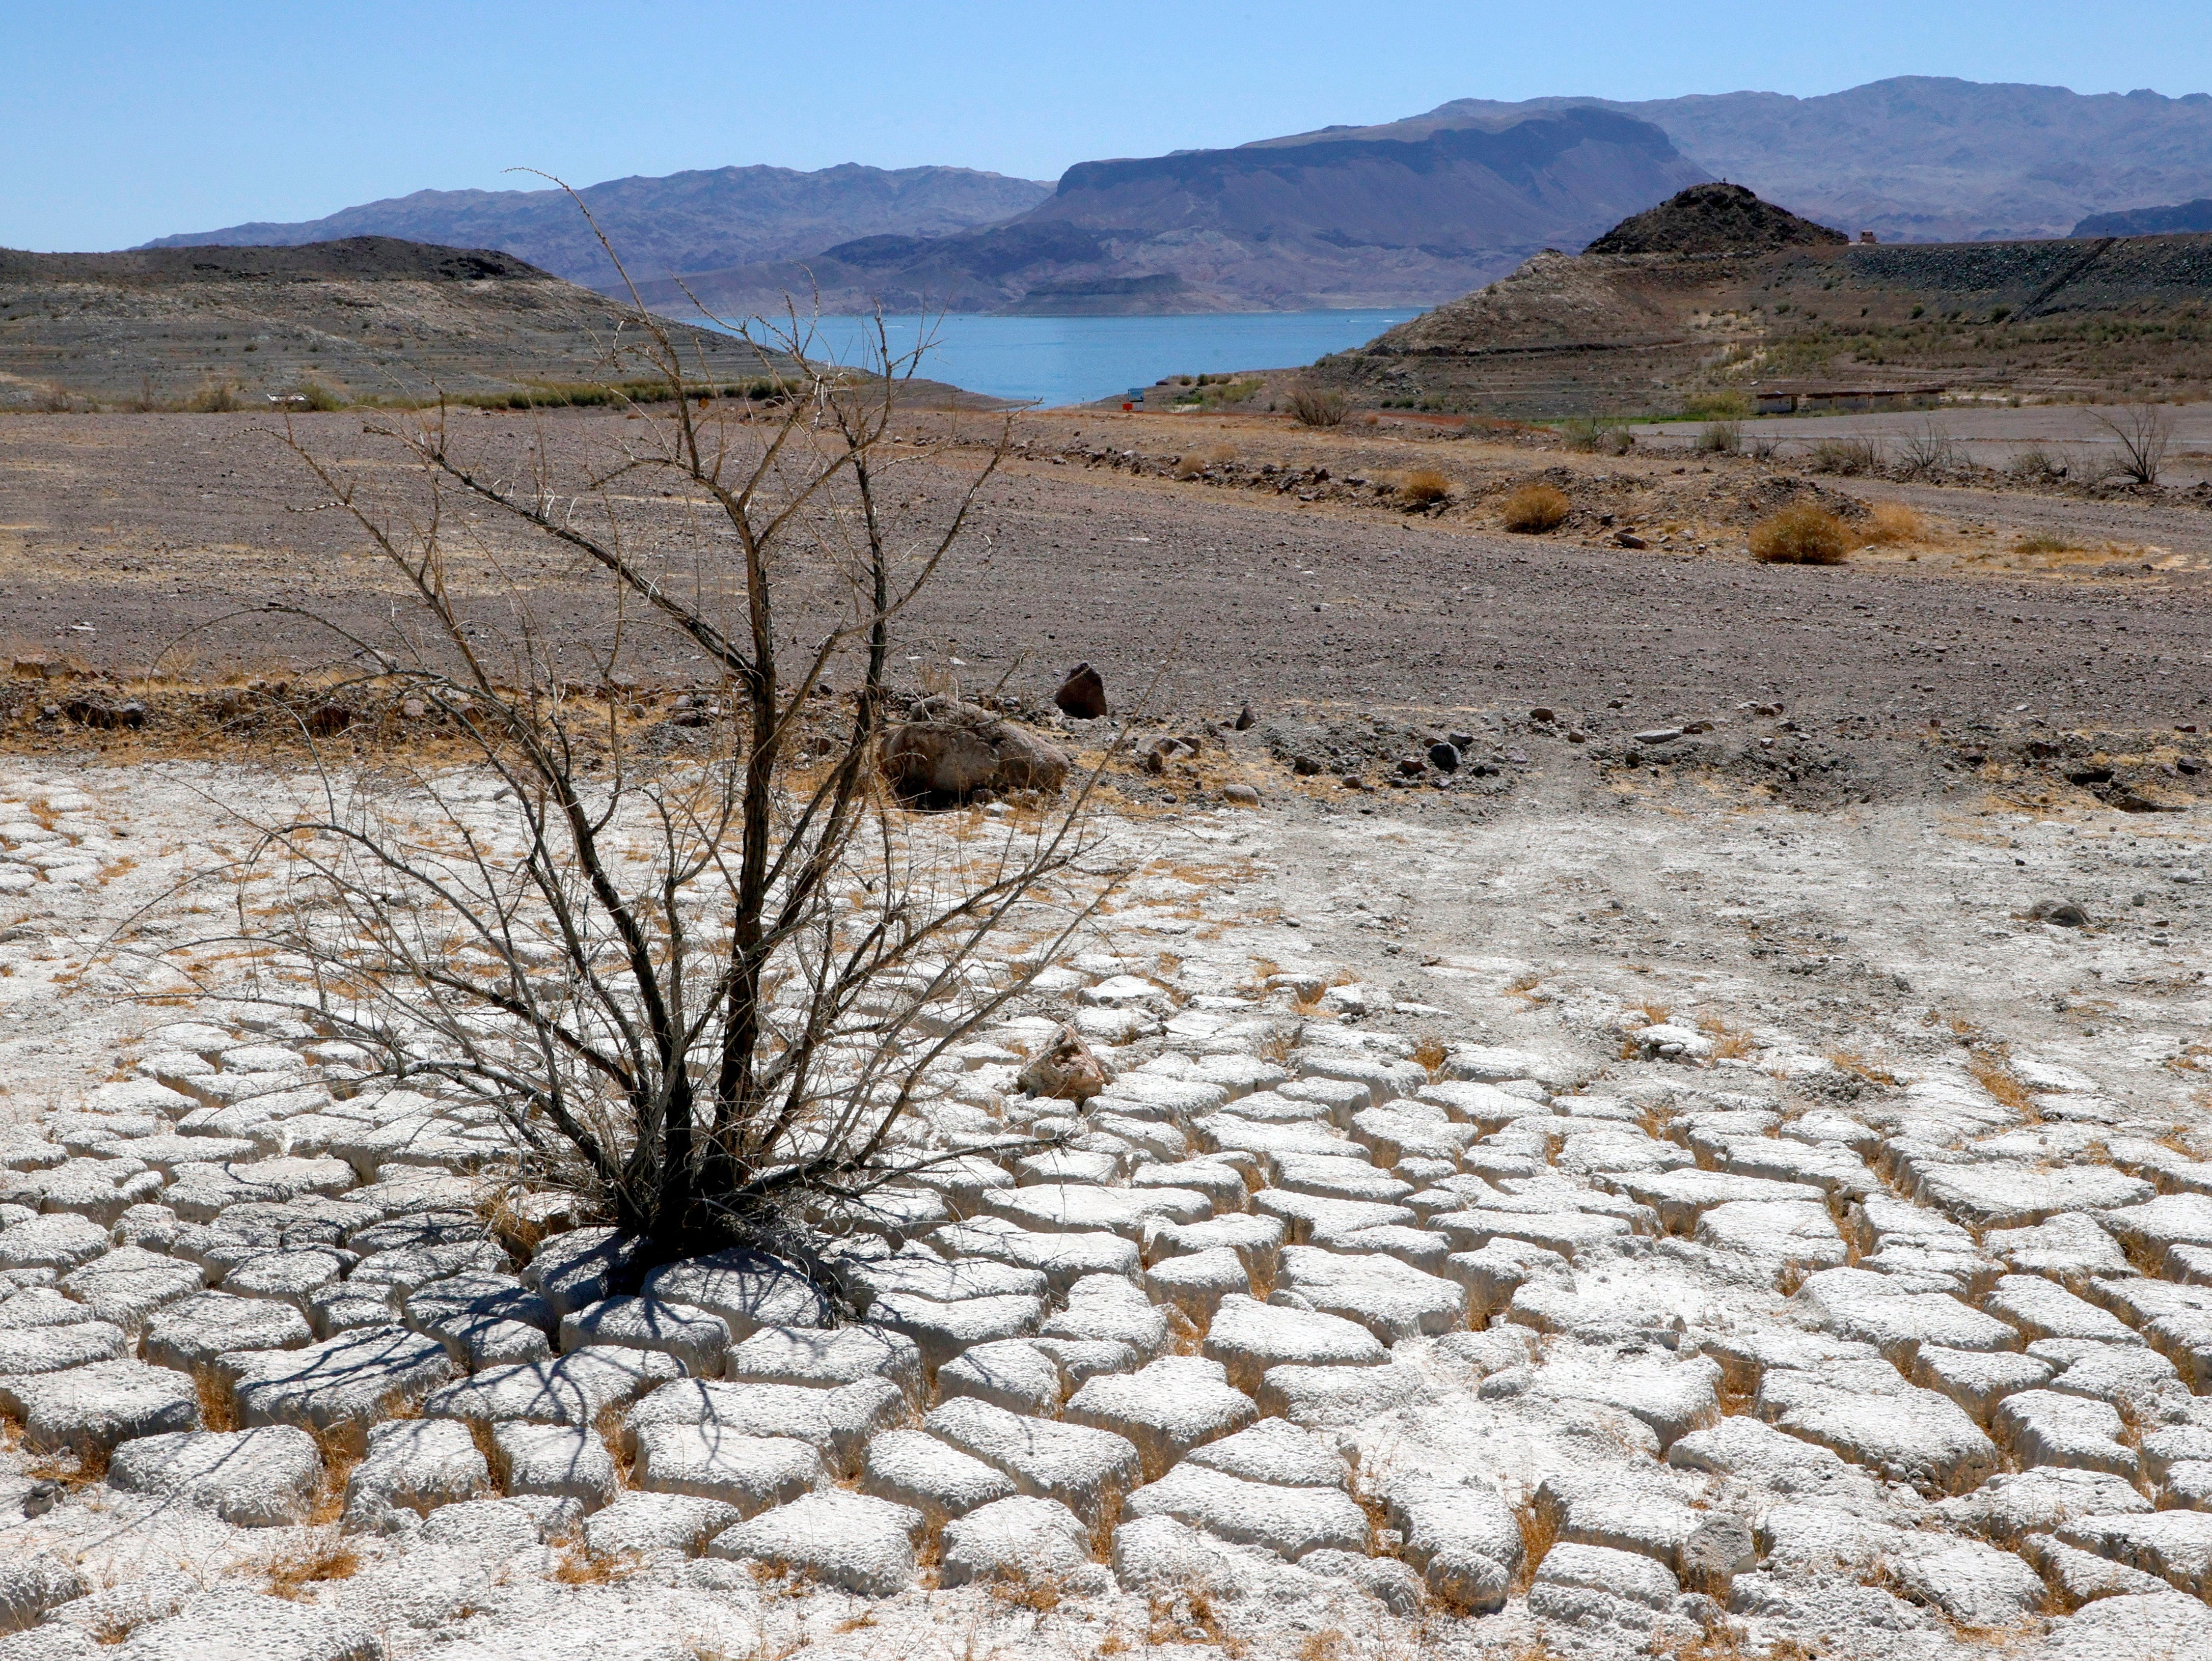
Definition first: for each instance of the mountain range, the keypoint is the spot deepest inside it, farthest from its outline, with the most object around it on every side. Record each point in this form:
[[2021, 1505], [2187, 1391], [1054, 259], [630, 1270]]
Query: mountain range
[[686, 222], [1413, 211]]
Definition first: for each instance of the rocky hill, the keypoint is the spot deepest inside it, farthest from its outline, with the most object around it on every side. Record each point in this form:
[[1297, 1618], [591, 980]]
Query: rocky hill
[[1336, 222], [1916, 158], [1698, 303], [687, 222], [2183, 217], [367, 318]]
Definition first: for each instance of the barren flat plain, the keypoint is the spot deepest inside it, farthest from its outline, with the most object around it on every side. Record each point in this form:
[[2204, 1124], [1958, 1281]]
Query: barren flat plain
[[1678, 1124]]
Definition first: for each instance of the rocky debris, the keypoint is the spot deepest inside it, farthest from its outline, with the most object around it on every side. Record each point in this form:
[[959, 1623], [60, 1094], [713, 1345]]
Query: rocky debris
[[947, 752]]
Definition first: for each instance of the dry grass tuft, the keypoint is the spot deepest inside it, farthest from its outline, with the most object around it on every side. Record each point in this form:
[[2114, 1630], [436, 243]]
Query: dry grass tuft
[[1991, 1067], [218, 1406], [1894, 523], [322, 1557], [1040, 1594], [1431, 1055], [73, 1468], [1850, 1061], [1729, 1045], [609, 1424], [1540, 1532], [1655, 1014], [1425, 487], [339, 1457], [1799, 535], [1533, 508], [576, 1566], [2046, 542]]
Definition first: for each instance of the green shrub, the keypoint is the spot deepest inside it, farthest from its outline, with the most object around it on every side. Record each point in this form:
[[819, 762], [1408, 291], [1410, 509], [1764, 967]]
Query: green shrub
[[1727, 405]]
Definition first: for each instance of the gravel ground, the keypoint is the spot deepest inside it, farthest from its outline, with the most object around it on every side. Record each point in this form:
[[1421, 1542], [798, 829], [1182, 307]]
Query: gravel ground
[[130, 536]]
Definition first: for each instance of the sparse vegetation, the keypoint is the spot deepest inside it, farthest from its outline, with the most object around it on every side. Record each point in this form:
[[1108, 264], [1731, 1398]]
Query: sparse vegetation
[[1726, 406], [2144, 433], [1848, 456], [1800, 533], [1892, 523], [1927, 450], [1588, 435], [2046, 542], [320, 1556], [1721, 438], [1534, 507], [2036, 464], [1425, 487], [701, 1040], [1319, 406]]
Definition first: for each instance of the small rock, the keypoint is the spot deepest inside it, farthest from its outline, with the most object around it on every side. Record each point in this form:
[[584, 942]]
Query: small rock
[[1240, 796], [1082, 696], [1444, 758], [1659, 736], [2063, 912], [1246, 720], [1066, 1071]]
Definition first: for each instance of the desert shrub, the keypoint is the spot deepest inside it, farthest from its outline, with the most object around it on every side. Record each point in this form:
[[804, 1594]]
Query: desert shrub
[[2035, 463], [2144, 433], [2046, 542], [1845, 456], [1894, 523], [703, 999], [1319, 406], [1424, 487], [1926, 450], [1589, 436], [1725, 406], [1721, 438], [319, 396], [1804, 533], [1534, 507], [215, 400]]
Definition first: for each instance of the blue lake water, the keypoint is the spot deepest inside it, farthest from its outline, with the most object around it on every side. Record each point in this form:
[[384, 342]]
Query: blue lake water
[[1058, 360]]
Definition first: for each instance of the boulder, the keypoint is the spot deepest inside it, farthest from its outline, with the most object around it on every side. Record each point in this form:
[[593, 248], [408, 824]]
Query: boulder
[[948, 751], [1066, 1071], [1082, 696]]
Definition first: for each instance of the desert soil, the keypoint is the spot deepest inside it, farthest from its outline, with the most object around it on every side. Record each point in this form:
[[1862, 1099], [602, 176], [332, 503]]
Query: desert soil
[[1760, 1077]]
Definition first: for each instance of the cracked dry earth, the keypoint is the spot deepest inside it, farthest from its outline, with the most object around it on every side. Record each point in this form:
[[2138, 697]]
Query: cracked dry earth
[[1691, 1228]]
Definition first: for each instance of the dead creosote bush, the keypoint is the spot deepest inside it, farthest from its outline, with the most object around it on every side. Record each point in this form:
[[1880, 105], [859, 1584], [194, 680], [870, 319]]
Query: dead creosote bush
[[1802, 534], [2144, 433], [1848, 456], [654, 973], [321, 1556], [2036, 464], [1319, 406], [1533, 508], [1720, 438], [1424, 487], [1588, 435], [1926, 451], [1892, 523]]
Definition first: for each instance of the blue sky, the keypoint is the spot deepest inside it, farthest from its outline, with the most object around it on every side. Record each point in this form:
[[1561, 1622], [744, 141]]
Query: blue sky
[[123, 122]]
